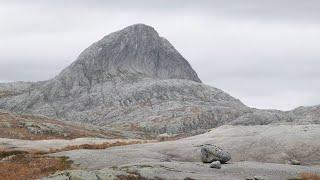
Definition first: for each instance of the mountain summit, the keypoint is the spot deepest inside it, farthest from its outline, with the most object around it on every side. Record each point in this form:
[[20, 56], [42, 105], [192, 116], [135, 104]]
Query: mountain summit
[[133, 80], [134, 50]]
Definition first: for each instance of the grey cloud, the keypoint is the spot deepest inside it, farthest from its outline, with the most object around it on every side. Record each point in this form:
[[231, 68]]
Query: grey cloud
[[307, 10]]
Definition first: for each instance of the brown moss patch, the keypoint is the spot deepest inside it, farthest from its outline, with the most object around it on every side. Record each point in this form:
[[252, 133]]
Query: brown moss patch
[[27, 165], [15, 127], [21, 165], [97, 146]]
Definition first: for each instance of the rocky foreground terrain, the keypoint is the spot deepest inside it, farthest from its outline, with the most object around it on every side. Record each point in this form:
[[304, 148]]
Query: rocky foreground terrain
[[131, 107], [264, 151]]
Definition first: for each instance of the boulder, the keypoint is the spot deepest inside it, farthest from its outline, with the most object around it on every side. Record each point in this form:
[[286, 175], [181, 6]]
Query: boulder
[[258, 178], [163, 137], [210, 153], [215, 164]]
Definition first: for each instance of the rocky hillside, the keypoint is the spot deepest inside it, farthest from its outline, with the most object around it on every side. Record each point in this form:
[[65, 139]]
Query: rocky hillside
[[300, 115], [135, 80], [30, 127]]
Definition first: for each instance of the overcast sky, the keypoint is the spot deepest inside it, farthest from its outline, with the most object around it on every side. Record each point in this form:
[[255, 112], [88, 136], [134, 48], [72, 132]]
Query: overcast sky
[[264, 52]]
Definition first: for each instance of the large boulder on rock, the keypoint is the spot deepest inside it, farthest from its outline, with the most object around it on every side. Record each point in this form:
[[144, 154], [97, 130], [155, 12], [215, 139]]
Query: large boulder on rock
[[210, 153]]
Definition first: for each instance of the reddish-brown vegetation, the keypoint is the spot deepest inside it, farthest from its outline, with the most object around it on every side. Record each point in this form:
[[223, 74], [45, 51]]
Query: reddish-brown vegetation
[[97, 146], [25, 165], [12, 126], [22, 165], [309, 176]]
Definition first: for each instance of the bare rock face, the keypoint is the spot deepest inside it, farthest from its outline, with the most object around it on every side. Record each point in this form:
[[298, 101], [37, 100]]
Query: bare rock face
[[137, 50]]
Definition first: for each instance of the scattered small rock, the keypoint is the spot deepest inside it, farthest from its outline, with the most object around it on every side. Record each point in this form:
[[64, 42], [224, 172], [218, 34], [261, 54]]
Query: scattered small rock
[[34, 130], [210, 153], [165, 160], [5, 125], [295, 178], [295, 162], [215, 164], [258, 178], [8, 158], [255, 178], [163, 137], [188, 178]]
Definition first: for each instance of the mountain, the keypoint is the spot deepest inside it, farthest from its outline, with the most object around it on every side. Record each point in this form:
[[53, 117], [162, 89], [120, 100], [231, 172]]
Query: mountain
[[137, 50], [135, 80]]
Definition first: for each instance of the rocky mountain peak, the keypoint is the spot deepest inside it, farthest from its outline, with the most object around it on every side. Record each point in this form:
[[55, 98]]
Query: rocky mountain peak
[[141, 29], [136, 50]]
